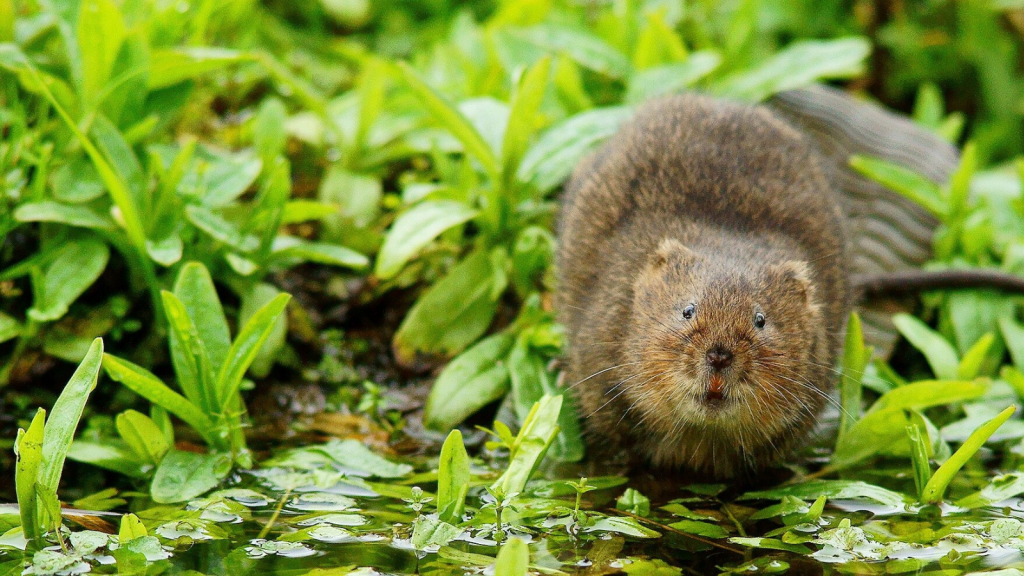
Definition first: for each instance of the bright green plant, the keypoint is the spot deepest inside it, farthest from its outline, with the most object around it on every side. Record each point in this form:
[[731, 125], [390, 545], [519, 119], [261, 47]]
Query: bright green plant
[[42, 448], [210, 369]]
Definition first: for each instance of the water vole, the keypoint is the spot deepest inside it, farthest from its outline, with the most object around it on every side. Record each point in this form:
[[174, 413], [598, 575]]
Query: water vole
[[702, 286]]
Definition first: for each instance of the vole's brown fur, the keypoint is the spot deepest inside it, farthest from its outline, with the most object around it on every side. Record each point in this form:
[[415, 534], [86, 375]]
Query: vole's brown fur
[[725, 208]]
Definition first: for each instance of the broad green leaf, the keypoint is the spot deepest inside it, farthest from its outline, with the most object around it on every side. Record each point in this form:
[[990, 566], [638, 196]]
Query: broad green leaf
[[671, 78], [833, 490], [70, 214], [353, 454], [448, 116], [534, 438], [999, 489], [798, 65], [557, 152], [357, 198], [472, 380], [220, 229], [415, 229], [195, 289], [183, 476], [288, 249], [705, 529], [936, 487], [131, 528], [771, 544], [188, 354], [60, 429], [9, 328], [941, 355], [111, 454], [226, 178], [902, 180], [452, 478], [431, 531], [145, 384], [454, 312], [166, 251], [522, 120], [143, 436], [513, 558], [269, 135], [74, 270], [585, 48], [28, 449], [245, 347], [169, 67], [101, 31]]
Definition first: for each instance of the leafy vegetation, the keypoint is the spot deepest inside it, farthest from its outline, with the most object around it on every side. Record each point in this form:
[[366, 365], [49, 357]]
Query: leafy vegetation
[[204, 202]]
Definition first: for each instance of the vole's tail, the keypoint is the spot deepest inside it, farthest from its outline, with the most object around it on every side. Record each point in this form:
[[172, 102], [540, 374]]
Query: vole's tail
[[869, 287], [888, 233]]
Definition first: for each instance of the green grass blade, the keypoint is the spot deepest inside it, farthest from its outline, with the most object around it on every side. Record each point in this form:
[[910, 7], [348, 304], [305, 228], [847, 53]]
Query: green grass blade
[[904, 181], [936, 487], [447, 115], [243, 351], [60, 429], [855, 359], [145, 384], [522, 120], [919, 458], [28, 449]]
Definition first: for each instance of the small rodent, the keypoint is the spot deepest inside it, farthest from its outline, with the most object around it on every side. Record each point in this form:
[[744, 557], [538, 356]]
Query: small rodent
[[710, 254], [702, 286]]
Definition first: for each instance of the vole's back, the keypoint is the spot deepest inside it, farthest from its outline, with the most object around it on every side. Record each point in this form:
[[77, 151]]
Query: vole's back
[[743, 195]]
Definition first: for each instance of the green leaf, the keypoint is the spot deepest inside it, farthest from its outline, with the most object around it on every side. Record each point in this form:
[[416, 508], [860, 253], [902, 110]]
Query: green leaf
[[855, 359], [621, 525], [919, 450], [416, 228], [353, 454], [558, 151], [131, 528], [936, 487], [771, 544], [538, 432], [882, 429], [902, 180], [183, 476], [111, 454], [220, 229], [288, 249], [973, 360], [431, 531], [195, 289], [634, 502], [471, 381], [1013, 334], [269, 134], [671, 78], [448, 116], [833, 490], [143, 436], [74, 270], [798, 65], [169, 67], [999, 489], [28, 449], [191, 363], [941, 355], [454, 312], [513, 558], [700, 528], [145, 384], [101, 31], [452, 478], [60, 427], [245, 347], [583, 47], [257, 297], [70, 214], [522, 120]]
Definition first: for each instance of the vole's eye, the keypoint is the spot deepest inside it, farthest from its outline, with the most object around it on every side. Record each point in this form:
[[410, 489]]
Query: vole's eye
[[759, 320], [689, 311]]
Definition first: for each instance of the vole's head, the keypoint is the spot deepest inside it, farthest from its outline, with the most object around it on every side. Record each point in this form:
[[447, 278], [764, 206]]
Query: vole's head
[[722, 348]]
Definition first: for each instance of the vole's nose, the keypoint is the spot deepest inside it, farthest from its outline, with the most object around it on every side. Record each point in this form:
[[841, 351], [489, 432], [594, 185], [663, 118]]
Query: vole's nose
[[719, 358]]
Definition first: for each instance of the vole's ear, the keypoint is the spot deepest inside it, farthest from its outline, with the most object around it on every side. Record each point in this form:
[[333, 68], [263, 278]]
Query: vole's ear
[[796, 275], [671, 251]]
